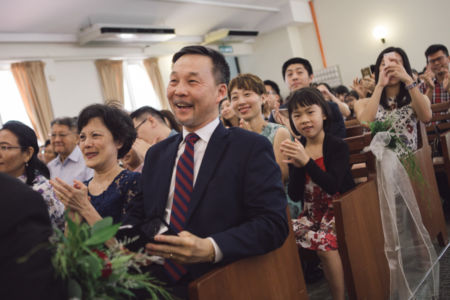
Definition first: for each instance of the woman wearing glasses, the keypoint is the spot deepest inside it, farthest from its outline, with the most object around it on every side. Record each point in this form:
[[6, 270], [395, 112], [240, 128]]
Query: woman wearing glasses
[[106, 135], [18, 158]]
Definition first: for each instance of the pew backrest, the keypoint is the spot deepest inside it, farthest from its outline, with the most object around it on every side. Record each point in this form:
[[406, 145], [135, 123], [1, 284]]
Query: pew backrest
[[275, 275], [361, 242], [362, 163]]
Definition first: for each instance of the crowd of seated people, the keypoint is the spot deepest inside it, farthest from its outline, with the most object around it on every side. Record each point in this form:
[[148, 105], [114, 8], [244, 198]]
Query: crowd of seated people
[[98, 156]]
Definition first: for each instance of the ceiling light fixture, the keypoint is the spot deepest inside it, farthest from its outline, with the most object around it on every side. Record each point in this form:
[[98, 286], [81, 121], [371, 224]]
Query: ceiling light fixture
[[380, 33]]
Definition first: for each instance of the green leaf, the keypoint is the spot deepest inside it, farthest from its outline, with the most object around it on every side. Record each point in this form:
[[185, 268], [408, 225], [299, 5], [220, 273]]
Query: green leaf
[[106, 222], [120, 260], [74, 289], [102, 235], [91, 265], [71, 226]]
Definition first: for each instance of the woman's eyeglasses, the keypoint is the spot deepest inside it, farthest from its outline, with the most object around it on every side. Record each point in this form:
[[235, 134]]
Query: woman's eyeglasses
[[5, 148]]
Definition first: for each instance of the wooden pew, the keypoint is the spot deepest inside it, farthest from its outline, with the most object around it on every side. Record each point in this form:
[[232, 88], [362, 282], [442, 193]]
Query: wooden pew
[[427, 195], [361, 243], [354, 130], [362, 164], [352, 122], [275, 275], [441, 117]]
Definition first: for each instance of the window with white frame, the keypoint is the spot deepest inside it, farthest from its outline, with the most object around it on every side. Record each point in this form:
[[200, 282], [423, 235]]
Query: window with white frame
[[138, 89], [11, 104]]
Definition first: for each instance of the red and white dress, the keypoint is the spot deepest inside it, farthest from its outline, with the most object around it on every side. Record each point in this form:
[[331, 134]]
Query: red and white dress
[[315, 227]]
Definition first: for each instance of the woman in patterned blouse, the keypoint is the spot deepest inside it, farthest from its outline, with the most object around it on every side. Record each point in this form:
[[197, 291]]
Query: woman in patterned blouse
[[396, 97], [18, 158]]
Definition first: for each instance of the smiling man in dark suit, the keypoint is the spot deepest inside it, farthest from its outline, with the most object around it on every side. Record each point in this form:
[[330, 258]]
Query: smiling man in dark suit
[[219, 189]]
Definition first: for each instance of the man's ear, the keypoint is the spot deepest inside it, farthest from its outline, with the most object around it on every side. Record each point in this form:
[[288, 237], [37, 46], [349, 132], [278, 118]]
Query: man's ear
[[222, 92], [151, 120], [118, 144]]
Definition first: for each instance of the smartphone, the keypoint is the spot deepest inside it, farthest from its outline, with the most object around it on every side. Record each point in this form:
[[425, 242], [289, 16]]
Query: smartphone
[[389, 59], [127, 232], [366, 72]]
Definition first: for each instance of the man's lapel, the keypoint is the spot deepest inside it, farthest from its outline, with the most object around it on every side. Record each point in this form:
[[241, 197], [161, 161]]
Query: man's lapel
[[216, 147], [166, 162]]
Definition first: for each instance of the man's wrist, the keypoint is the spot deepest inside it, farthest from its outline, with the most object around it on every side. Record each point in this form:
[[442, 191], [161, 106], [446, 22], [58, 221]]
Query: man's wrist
[[216, 254], [212, 256]]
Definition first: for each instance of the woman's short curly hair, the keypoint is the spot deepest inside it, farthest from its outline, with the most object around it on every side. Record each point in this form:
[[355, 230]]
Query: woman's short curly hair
[[116, 120]]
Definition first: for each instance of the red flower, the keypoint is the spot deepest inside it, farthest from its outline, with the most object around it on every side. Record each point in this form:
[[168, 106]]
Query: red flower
[[107, 269]]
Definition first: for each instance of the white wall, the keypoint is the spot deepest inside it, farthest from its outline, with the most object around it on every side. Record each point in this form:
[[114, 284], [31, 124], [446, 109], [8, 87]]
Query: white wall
[[270, 51], [346, 28], [72, 86]]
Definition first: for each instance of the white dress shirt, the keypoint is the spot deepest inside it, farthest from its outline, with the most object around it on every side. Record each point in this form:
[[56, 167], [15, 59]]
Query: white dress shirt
[[73, 167], [205, 134]]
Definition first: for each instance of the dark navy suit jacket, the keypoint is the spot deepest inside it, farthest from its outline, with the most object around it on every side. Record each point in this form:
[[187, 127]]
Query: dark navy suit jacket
[[238, 198], [24, 227]]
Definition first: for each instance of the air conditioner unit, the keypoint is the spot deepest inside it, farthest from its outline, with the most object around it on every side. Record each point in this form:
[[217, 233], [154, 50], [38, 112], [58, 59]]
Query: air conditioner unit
[[124, 34], [230, 36]]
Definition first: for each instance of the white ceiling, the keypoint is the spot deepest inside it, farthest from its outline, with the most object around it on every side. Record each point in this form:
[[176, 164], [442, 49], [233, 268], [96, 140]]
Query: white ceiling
[[41, 19]]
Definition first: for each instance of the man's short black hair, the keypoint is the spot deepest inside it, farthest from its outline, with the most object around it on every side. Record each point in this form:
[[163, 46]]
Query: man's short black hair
[[147, 110], [435, 48], [326, 85], [273, 85], [341, 90], [221, 70], [116, 120], [297, 60], [70, 122]]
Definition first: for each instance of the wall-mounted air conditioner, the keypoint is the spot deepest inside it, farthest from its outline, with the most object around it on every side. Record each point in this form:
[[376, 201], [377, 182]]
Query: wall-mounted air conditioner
[[230, 36], [124, 34]]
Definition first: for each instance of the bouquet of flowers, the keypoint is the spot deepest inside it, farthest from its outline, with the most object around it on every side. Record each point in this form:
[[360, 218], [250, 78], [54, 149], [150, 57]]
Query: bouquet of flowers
[[397, 145], [94, 271]]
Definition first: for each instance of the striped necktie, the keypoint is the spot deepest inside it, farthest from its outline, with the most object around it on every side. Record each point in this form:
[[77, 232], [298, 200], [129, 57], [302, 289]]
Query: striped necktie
[[184, 178]]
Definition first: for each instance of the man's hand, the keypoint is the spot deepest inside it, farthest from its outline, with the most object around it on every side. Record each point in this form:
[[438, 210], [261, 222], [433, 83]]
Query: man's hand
[[185, 248], [141, 147], [446, 82], [428, 78]]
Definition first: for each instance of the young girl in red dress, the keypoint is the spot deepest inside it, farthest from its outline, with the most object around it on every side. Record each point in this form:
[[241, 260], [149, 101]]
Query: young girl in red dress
[[319, 171]]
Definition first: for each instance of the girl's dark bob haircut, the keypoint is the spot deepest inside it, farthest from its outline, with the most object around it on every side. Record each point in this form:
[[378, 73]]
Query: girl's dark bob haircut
[[307, 97]]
